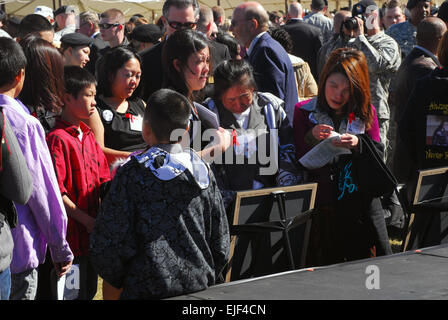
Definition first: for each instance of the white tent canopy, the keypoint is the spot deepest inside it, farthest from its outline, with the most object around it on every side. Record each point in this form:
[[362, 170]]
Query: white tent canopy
[[150, 9]]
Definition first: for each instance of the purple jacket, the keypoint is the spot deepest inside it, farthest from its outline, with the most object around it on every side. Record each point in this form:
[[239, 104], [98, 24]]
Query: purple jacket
[[43, 220]]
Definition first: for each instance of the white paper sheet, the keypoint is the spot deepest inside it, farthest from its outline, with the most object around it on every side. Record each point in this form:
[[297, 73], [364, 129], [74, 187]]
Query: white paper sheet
[[207, 116], [323, 153]]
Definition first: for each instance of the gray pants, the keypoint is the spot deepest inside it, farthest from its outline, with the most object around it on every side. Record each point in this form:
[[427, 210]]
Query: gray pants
[[24, 285]]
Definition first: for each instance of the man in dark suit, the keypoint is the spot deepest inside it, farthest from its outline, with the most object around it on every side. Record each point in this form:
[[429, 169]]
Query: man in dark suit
[[272, 67], [177, 14], [306, 38], [418, 63]]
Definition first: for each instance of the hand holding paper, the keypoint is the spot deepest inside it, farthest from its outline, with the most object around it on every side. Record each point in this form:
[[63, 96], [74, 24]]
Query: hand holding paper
[[322, 131], [325, 151], [346, 141]]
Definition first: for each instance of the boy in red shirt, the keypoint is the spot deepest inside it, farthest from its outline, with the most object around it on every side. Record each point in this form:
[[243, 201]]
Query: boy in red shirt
[[81, 168]]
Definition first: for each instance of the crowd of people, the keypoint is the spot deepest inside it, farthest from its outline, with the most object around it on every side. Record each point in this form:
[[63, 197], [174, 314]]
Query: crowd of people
[[124, 142]]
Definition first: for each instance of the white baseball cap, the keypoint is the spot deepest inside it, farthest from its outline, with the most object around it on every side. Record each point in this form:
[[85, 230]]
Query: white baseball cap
[[44, 11]]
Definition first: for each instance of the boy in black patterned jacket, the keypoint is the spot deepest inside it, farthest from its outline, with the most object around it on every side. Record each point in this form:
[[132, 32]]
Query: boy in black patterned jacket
[[162, 230]]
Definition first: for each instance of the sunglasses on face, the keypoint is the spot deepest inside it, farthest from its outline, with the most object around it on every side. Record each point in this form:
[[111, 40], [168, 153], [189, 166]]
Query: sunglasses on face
[[179, 25], [108, 25]]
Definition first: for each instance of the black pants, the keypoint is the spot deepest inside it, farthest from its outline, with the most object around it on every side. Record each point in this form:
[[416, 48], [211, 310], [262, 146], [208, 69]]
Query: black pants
[[347, 231]]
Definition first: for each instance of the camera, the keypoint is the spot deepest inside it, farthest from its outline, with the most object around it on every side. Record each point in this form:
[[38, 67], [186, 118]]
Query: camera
[[357, 12], [351, 24]]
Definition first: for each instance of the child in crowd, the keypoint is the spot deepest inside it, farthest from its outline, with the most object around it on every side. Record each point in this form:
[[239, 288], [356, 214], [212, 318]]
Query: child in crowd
[[81, 168], [162, 229], [42, 220]]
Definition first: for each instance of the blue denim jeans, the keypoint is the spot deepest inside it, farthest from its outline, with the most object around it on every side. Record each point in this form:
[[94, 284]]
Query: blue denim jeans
[[5, 284]]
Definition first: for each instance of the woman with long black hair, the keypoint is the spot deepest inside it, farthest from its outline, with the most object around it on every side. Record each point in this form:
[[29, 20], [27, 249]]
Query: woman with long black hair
[[187, 65]]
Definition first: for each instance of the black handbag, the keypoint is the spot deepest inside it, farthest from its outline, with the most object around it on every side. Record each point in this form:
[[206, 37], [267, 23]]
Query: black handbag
[[374, 177]]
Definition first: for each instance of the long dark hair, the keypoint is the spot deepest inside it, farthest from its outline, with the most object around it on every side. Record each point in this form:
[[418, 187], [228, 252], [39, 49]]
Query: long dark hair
[[109, 65], [181, 45], [44, 80]]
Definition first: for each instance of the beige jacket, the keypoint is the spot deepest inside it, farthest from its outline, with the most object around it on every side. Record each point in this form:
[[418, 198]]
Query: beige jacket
[[306, 85]]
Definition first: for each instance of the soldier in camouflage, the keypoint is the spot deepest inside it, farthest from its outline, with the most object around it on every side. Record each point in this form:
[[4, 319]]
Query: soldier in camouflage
[[405, 33], [383, 60]]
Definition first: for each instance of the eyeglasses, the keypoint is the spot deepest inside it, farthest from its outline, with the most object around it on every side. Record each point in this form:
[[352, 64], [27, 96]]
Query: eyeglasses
[[108, 25], [179, 25]]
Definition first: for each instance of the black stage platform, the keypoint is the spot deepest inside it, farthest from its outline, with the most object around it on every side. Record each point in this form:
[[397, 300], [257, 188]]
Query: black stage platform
[[421, 274]]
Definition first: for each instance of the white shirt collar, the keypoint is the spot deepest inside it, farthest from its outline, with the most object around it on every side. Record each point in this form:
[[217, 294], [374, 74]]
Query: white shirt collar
[[242, 118], [254, 41], [94, 34]]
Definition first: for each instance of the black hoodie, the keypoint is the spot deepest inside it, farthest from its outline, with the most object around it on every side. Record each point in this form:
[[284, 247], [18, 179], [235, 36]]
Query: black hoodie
[[423, 127]]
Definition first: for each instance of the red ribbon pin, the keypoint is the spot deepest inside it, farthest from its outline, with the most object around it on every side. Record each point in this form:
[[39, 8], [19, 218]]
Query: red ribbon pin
[[351, 117], [234, 140], [129, 116]]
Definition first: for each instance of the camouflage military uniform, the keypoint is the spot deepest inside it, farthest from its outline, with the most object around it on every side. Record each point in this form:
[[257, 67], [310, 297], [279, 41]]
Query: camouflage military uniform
[[383, 60], [324, 23], [405, 34]]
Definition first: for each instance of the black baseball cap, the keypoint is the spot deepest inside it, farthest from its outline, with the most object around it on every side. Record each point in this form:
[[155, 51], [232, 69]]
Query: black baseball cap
[[360, 7], [366, 3]]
